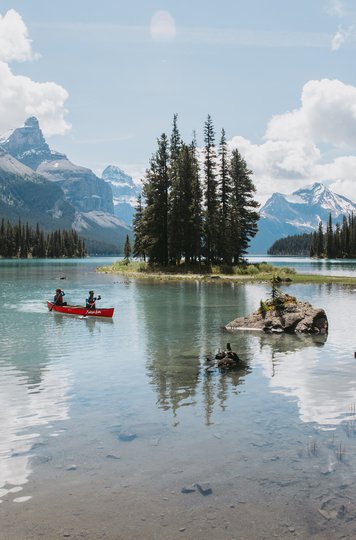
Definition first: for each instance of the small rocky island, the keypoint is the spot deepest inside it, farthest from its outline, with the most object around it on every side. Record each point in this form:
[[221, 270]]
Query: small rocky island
[[283, 313]]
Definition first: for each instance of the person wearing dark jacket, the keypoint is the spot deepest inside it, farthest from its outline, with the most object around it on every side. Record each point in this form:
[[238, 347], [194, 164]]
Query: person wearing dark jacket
[[90, 302]]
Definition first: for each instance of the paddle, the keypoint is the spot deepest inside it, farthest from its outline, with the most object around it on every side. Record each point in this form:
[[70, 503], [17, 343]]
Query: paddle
[[57, 297], [86, 314]]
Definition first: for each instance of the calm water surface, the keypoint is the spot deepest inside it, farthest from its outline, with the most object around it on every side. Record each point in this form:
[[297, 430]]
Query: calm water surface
[[129, 405]]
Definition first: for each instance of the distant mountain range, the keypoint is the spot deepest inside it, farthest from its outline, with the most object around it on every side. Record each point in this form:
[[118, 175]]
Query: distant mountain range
[[300, 212], [40, 185]]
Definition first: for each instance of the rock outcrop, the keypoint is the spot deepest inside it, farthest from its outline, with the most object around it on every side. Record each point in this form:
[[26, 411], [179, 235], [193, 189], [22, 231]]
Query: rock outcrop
[[124, 190], [287, 315]]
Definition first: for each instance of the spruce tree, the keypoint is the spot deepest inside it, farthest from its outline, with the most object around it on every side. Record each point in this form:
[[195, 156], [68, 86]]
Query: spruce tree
[[155, 191], [196, 206], [138, 229], [320, 244], [225, 189], [176, 197], [330, 239], [244, 216], [127, 248], [211, 214]]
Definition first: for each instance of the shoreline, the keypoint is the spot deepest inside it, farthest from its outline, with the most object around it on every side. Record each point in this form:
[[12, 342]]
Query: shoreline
[[287, 279]]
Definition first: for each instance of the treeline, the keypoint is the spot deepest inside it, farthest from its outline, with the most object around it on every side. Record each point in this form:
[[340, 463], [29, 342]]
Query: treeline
[[21, 241], [328, 242], [195, 208], [338, 243], [296, 244]]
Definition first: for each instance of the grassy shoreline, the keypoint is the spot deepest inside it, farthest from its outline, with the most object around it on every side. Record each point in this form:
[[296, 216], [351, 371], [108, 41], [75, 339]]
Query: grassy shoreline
[[262, 272]]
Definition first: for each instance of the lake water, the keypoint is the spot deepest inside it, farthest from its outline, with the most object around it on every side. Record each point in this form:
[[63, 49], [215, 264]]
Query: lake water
[[104, 423]]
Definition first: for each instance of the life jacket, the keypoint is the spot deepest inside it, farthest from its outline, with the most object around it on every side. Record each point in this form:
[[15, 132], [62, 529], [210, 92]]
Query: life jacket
[[91, 303], [58, 299]]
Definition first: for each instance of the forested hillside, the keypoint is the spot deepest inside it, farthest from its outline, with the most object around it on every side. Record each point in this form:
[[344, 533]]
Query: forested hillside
[[297, 244], [20, 240], [331, 242]]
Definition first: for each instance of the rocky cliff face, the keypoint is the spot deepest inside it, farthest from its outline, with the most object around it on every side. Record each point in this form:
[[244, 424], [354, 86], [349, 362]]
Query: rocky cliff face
[[125, 192], [82, 188], [28, 145], [26, 195]]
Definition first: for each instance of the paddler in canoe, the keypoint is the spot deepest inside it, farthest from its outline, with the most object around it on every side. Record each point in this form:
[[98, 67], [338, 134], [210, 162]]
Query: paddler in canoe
[[58, 298], [91, 301]]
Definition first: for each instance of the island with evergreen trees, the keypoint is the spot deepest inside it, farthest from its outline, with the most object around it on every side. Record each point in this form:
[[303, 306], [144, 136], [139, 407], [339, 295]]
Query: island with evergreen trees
[[197, 215]]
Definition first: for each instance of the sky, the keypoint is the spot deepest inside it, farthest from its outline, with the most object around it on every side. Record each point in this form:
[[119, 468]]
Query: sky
[[105, 79]]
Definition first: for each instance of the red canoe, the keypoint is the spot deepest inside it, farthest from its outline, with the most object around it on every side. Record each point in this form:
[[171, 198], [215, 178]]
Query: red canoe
[[81, 310]]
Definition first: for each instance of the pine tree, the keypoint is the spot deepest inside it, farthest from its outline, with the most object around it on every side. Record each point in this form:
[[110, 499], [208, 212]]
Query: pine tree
[[225, 190], [127, 248], [155, 191], [211, 214], [176, 197], [196, 207], [330, 239], [138, 229], [244, 216]]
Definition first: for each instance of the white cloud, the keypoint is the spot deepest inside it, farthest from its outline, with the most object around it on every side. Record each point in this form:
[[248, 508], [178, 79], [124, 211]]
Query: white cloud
[[297, 144], [337, 40], [14, 41], [20, 96], [340, 37], [163, 26], [336, 7]]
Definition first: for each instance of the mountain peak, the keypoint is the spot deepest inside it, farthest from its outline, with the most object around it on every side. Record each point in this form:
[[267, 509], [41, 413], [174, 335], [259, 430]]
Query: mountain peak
[[319, 195], [32, 122], [297, 213], [113, 173], [28, 145]]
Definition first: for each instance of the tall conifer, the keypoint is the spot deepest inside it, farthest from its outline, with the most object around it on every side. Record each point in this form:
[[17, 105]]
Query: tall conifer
[[211, 214], [244, 216]]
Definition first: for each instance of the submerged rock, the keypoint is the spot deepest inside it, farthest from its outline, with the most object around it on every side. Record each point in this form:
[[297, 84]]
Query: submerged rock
[[285, 315]]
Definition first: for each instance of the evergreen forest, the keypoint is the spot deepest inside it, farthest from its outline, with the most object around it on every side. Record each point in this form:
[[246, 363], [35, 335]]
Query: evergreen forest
[[198, 205], [21, 241], [330, 242]]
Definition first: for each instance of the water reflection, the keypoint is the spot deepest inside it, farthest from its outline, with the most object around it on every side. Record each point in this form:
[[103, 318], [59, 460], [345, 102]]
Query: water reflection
[[93, 324], [183, 325], [318, 377], [274, 346], [33, 393], [27, 401], [219, 385]]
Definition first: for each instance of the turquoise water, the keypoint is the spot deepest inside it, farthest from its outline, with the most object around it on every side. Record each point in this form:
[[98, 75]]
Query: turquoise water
[[128, 406]]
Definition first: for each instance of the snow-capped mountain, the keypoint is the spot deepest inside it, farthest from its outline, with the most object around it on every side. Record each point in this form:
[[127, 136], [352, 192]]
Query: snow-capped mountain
[[63, 189], [28, 145], [297, 213], [125, 192]]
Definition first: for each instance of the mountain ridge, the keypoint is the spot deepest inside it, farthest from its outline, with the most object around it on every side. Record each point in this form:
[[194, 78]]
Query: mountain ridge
[[297, 213], [83, 198]]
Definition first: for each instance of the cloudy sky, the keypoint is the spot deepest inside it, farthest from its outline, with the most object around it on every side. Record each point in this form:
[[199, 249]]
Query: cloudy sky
[[105, 78]]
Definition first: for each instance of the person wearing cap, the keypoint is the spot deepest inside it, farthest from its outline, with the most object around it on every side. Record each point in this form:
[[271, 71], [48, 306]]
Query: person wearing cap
[[90, 302], [58, 298]]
